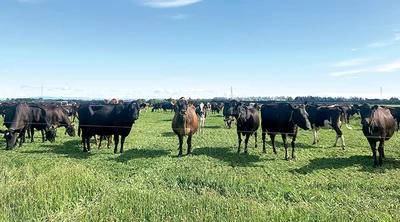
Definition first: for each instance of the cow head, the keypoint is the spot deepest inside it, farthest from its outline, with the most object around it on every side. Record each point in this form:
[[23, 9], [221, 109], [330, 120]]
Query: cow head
[[181, 106], [300, 117], [70, 130], [235, 108], [133, 111], [11, 138], [51, 134], [365, 112]]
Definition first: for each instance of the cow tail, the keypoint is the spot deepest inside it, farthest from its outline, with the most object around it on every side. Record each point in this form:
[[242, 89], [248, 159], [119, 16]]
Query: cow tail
[[348, 127]]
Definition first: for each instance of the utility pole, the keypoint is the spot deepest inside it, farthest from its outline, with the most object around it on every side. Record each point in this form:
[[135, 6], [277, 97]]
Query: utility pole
[[381, 93], [231, 92]]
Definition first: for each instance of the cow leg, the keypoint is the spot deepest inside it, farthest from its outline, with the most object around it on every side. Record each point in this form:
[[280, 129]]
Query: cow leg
[[116, 140], [43, 132], [88, 143], [84, 143], [122, 144], [273, 142], [246, 142], [380, 150], [101, 140], [189, 144], [315, 134], [293, 145], [240, 141], [263, 139], [373, 148], [255, 139], [32, 133], [95, 139], [284, 139], [337, 137], [180, 137], [109, 141]]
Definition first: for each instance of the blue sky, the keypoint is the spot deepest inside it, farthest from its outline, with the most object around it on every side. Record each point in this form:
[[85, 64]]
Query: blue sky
[[199, 48]]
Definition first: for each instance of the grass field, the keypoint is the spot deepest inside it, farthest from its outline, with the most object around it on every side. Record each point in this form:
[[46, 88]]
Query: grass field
[[148, 182]]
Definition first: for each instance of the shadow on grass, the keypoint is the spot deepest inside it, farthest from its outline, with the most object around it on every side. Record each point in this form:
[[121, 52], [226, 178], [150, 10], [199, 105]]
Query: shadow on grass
[[139, 153], [166, 120], [225, 154], [168, 134], [70, 148], [366, 162], [212, 127], [279, 145]]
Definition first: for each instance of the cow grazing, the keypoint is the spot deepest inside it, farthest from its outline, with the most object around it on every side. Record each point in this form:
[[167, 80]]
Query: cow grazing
[[168, 106], [17, 120], [157, 107], [247, 122], [284, 119], [114, 120], [184, 123], [228, 119], [144, 106], [40, 122], [201, 112], [326, 116], [57, 117], [378, 125]]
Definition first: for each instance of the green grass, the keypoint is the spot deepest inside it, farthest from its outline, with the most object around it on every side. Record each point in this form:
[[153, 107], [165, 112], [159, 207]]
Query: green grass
[[148, 182]]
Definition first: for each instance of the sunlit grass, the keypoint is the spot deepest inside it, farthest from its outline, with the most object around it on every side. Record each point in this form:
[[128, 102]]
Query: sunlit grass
[[44, 181]]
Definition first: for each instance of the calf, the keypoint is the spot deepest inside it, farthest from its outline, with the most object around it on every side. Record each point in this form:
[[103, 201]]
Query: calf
[[201, 115], [378, 125], [247, 122], [284, 119], [184, 123]]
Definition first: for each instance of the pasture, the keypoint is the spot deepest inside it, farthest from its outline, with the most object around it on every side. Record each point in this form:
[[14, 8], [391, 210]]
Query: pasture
[[148, 182]]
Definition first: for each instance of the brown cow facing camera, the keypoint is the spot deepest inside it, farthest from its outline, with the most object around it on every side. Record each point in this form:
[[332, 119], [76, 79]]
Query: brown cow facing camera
[[185, 122]]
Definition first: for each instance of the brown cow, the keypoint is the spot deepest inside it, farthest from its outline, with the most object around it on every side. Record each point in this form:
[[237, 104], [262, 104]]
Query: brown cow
[[185, 122], [377, 125]]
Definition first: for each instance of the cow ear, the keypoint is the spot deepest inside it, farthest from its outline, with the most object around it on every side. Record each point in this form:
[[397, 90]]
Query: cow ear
[[374, 107], [191, 102], [173, 102]]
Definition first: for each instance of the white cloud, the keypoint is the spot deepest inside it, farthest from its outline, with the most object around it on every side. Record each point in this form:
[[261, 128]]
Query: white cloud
[[389, 67], [386, 42], [346, 72], [179, 17], [352, 62], [354, 49], [168, 3]]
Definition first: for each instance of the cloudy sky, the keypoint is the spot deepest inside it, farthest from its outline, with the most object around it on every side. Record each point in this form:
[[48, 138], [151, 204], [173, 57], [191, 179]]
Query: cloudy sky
[[199, 48]]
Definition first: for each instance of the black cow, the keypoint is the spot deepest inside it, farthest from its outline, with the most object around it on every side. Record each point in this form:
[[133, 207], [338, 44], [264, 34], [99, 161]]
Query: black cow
[[40, 122], [215, 108], [227, 118], [395, 111], [247, 122], [167, 106], [17, 120], [378, 125], [284, 119], [114, 120], [58, 117], [157, 107], [348, 111], [326, 116]]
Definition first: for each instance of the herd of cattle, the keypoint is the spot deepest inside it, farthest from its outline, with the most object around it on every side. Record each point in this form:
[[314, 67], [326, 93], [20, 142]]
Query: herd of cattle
[[115, 118]]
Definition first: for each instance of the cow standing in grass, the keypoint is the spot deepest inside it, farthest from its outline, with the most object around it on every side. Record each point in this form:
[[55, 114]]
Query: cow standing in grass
[[284, 119], [17, 120], [378, 125], [247, 122], [184, 123]]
